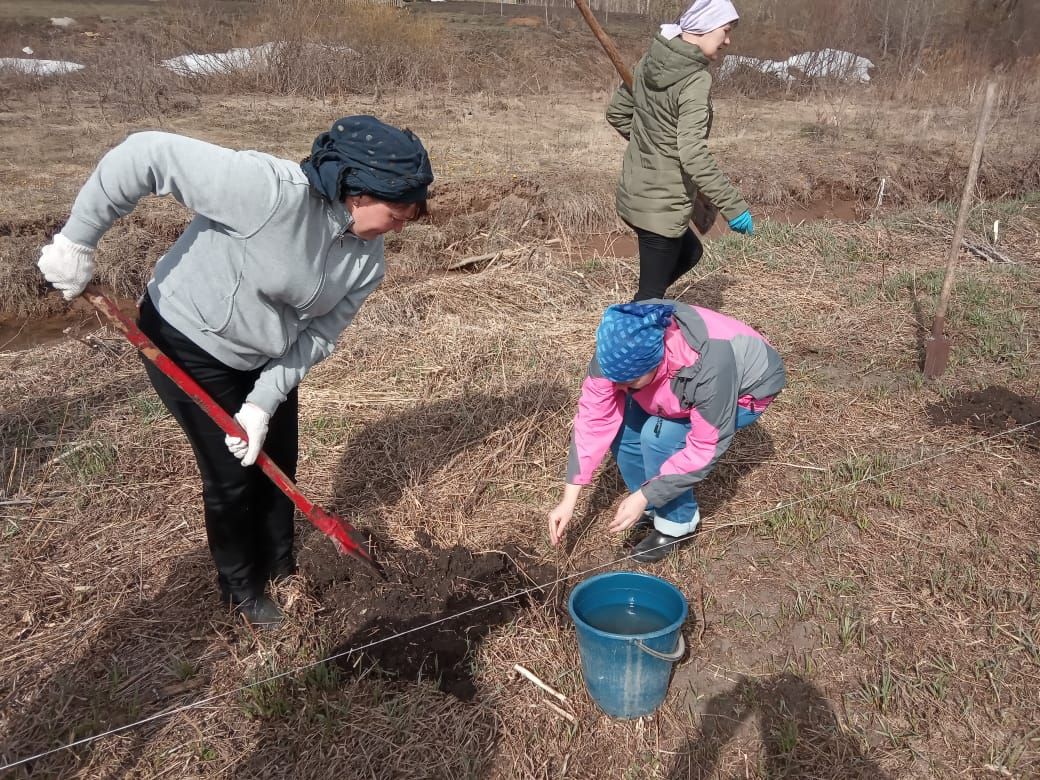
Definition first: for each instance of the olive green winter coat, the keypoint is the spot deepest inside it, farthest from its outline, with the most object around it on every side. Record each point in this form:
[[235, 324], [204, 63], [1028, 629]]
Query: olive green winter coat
[[666, 119]]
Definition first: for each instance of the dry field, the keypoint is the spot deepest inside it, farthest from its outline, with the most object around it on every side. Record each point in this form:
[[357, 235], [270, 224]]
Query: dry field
[[863, 591]]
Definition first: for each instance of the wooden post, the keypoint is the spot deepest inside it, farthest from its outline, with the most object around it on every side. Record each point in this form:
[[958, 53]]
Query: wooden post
[[937, 351]]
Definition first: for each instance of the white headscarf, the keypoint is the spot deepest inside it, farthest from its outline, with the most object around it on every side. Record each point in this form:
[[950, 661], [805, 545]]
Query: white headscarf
[[701, 17]]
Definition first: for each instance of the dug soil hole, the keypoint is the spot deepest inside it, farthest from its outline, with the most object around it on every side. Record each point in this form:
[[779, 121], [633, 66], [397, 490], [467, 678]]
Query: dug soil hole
[[425, 622]]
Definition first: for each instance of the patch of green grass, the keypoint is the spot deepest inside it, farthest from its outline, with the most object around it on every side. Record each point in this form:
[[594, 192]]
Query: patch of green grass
[[1006, 755], [933, 677], [90, 463], [206, 752], [267, 699], [646, 764], [892, 499], [842, 586], [970, 292], [998, 335], [850, 629], [857, 468], [846, 256], [785, 735], [182, 669], [879, 689], [323, 677], [803, 606], [148, 407], [326, 430], [985, 322], [896, 738], [980, 221], [804, 665], [799, 524], [724, 249], [908, 284]]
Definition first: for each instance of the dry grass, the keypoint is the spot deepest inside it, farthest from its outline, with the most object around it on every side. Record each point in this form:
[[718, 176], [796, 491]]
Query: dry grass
[[886, 631], [873, 633]]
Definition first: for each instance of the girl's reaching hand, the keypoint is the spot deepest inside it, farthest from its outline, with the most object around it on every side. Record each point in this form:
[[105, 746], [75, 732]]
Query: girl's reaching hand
[[628, 513], [559, 518]]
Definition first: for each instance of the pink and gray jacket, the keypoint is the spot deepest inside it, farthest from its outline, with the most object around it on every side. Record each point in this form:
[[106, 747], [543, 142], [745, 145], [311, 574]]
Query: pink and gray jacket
[[712, 364]]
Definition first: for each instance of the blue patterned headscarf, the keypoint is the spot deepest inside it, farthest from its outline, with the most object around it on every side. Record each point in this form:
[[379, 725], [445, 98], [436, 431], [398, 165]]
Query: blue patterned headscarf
[[630, 339], [360, 154]]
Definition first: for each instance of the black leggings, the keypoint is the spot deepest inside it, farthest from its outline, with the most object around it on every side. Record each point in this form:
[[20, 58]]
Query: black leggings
[[662, 260], [249, 522]]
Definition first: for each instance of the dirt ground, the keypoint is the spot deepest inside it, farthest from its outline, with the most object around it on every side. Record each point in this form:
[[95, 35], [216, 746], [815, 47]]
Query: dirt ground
[[862, 591]]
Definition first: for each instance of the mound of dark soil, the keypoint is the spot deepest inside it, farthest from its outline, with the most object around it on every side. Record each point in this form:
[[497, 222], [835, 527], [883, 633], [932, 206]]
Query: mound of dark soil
[[990, 411], [465, 595]]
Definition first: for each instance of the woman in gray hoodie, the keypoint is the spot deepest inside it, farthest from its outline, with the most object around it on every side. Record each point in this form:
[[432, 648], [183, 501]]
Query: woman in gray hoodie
[[275, 264]]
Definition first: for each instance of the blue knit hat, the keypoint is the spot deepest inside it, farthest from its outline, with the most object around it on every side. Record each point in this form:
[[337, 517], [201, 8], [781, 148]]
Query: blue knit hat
[[630, 339]]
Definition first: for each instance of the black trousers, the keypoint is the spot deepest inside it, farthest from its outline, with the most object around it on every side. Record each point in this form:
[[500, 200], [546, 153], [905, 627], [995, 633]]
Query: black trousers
[[662, 260], [249, 521]]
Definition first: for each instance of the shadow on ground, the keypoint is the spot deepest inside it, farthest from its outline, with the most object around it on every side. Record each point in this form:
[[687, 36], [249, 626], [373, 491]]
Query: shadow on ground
[[406, 641], [403, 449], [802, 738], [143, 659], [42, 432], [706, 292], [431, 583], [427, 620]]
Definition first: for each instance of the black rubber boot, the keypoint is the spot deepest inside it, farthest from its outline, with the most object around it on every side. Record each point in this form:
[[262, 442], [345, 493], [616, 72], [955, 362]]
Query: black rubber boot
[[645, 521], [656, 546], [260, 612], [282, 569]]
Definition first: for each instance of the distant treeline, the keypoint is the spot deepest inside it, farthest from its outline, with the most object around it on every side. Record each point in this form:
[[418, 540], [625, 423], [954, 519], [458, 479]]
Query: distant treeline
[[998, 31]]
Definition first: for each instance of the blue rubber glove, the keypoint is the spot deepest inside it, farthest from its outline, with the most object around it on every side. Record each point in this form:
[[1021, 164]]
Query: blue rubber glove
[[742, 224]]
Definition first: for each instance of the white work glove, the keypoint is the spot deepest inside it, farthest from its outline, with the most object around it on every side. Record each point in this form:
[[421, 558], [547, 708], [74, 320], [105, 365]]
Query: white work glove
[[254, 421], [67, 265]]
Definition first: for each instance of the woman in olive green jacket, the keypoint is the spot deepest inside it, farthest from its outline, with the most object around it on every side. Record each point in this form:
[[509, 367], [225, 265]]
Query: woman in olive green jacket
[[666, 118]]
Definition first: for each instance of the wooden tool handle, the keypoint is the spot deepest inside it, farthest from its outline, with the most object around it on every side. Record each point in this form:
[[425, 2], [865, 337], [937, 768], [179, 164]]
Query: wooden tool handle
[[965, 207], [606, 42]]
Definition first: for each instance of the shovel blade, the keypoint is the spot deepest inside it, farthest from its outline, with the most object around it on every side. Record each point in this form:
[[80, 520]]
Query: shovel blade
[[704, 214], [936, 356]]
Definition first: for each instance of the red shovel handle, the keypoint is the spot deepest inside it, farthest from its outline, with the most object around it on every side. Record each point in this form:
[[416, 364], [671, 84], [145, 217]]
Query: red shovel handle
[[343, 534]]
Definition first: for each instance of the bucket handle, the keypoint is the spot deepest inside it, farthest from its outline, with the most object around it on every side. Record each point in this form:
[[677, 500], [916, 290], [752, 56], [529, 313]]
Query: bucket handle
[[671, 657]]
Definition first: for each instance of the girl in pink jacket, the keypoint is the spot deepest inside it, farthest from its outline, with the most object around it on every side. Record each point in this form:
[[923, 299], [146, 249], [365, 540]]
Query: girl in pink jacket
[[667, 388]]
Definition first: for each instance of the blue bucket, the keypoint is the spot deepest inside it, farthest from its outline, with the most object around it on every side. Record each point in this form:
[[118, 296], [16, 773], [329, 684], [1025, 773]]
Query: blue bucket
[[628, 637]]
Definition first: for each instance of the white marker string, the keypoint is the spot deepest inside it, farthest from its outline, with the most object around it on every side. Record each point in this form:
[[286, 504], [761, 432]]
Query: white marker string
[[216, 697]]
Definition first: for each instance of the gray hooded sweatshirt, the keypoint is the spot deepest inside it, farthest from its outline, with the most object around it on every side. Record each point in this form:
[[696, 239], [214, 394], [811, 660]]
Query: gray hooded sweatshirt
[[266, 275]]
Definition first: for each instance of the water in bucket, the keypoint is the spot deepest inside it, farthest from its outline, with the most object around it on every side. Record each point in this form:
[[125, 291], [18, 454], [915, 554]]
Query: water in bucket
[[628, 626], [626, 619]]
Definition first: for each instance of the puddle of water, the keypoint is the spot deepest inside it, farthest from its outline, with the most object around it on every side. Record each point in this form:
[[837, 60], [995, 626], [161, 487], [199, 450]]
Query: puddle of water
[[20, 333], [610, 245], [839, 210]]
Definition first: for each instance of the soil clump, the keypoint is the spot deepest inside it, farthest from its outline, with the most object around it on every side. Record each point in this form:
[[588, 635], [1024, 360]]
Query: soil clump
[[991, 410], [464, 595]]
